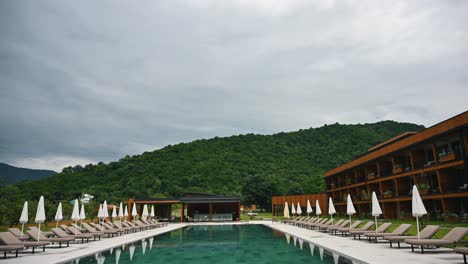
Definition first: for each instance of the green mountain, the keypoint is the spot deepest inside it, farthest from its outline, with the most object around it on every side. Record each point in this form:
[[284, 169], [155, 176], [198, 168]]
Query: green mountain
[[243, 165], [10, 174]]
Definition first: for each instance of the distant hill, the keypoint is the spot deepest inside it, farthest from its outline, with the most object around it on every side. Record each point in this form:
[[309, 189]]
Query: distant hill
[[283, 163], [10, 174]]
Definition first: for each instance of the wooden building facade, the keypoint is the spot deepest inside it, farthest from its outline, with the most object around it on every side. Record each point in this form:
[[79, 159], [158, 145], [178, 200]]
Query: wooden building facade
[[435, 159], [277, 203]]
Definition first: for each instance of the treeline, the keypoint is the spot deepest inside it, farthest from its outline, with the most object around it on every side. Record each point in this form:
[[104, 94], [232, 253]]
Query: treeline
[[254, 167]]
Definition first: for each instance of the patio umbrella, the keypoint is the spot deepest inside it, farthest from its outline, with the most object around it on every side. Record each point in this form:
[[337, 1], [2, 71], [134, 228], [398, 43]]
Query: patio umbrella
[[331, 208], [417, 206], [134, 210], [286, 210], [40, 215], [152, 212], [293, 210], [114, 213], [100, 214], [309, 208], [145, 213], [105, 209], [24, 217], [376, 210], [75, 213], [350, 209], [58, 215], [121, 213], [318, 211], [126, 212], [82, 214], [298, 209]]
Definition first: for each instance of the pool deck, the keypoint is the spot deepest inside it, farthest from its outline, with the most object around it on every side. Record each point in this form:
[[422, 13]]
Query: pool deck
[[358, 251], [66, 254], [361, 251]]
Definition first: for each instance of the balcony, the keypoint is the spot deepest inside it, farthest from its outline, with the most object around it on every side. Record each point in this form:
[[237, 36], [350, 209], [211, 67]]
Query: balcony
[[447, 156]]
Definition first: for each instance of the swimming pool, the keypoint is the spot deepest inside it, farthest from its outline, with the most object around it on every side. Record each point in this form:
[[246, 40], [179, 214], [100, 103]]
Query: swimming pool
[[216, 244]]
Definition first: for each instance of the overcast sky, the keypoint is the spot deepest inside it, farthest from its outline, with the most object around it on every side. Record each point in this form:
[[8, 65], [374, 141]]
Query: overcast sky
[[89, 81]]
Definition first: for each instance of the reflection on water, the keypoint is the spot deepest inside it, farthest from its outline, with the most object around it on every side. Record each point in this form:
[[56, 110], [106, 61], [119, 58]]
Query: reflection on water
[[217, 244]]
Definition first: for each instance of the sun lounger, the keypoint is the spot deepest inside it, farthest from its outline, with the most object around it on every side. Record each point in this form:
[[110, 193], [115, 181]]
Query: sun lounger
[[342, 224], [8, 239], [325, 226], [17, 233], [308, 221], [399, 231], [151, 225], [294, 222], [101, 227], [45, 233], [111, 228], [450, 239], [326, 223], [130, 224], [80, 228], [130, 229], [143, 226], [312, 225], [34, 234], [115, 225], [72, 230], [60, 233], [93, 230], [462, 250], [157, 223], [426, 233], [334, 229], [345, 230], [10, 248], [381, 229]]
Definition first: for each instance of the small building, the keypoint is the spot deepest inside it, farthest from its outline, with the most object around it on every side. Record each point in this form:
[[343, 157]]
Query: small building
[[194, 207]]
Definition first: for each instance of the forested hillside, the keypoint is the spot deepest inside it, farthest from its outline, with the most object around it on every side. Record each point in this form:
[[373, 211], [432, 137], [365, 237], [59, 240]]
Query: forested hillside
[[10, 174], [284, 163]]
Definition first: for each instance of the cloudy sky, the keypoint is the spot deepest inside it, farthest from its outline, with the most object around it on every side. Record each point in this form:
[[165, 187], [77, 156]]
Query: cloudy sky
[[89, 81]]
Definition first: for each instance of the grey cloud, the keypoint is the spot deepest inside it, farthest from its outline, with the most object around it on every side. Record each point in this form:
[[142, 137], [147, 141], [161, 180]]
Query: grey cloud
[[86, 81]]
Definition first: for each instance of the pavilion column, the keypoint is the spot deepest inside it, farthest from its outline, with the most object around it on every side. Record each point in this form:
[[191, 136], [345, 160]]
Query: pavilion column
[[211, 212], [238, 211], [182, 213]]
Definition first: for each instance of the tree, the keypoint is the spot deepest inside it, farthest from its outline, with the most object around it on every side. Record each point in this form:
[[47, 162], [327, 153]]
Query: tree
[[258, 190]]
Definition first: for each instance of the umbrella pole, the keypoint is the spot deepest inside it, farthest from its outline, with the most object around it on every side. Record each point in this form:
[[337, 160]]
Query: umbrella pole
[[76, 230], [39, 233], [375, 224], [56, 226], [22, 227], [349, 220], [417, 225]]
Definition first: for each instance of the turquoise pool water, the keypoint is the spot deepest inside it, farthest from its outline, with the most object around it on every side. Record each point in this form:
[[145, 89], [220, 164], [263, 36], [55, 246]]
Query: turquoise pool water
[[215, 244]]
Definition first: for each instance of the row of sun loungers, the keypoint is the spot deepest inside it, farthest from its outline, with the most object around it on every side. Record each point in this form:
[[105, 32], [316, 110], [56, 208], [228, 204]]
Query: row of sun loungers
[[15, 240], [399, 235]]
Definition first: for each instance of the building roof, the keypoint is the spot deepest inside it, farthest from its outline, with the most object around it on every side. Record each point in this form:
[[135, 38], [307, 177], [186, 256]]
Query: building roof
[[405, 141], [392, 140], [192, 197]]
